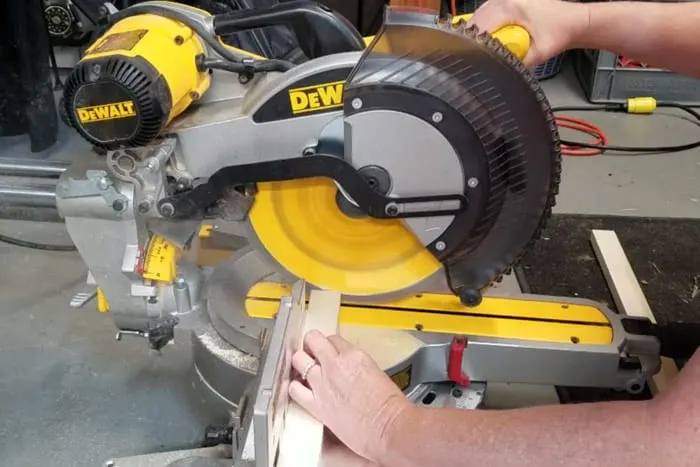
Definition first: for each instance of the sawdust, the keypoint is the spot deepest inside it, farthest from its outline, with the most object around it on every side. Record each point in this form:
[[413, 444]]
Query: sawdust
[[696, 288], [226, 352]]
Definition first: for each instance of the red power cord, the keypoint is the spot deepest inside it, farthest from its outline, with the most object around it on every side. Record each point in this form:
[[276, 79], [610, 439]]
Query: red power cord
[[583, 126]]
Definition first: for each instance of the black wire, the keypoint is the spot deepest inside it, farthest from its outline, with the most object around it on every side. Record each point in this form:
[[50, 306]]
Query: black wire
[[246, 66], [34, 245], [621, 108]]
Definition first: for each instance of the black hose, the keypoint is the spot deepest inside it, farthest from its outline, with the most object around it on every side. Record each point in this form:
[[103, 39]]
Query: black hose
[[34, 245]]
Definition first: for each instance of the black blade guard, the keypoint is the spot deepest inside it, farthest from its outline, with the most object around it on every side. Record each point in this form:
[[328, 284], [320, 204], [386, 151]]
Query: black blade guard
[[496, 118]]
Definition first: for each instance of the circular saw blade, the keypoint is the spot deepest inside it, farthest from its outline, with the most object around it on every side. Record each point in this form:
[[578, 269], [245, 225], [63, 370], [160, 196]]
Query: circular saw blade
[[499, 123], [299, 223]]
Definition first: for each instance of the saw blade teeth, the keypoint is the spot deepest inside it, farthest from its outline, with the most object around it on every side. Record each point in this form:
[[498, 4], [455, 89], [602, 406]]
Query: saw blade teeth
[[483, 37], [461, 26]]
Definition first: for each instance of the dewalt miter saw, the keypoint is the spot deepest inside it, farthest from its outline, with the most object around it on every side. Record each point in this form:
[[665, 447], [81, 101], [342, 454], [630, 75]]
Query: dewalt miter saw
[[408, 171]]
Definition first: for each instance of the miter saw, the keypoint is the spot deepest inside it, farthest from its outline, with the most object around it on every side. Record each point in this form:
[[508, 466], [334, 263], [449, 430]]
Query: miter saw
[[408, 171]]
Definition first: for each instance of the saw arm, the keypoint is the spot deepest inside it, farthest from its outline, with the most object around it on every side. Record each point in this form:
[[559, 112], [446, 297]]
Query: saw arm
[[402, 221]]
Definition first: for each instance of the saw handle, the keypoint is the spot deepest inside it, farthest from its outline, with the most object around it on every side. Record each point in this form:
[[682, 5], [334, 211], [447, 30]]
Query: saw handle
[[514, 38], [319, 30]]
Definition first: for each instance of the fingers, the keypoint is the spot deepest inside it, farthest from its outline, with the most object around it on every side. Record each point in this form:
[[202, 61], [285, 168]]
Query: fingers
[[319, 347], [339, 343], [302, 395], [530, 59], [303, 362], [490, 17]]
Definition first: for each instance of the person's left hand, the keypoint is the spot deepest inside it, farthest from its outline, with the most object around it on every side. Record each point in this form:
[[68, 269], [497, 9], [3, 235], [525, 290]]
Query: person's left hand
[[348, 393]]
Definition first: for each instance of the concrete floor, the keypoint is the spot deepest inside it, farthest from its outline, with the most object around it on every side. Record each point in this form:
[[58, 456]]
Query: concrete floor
[[71, 395]]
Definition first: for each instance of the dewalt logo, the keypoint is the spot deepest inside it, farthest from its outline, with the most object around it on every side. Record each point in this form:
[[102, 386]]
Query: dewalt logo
[[315, 98], [100, 113]]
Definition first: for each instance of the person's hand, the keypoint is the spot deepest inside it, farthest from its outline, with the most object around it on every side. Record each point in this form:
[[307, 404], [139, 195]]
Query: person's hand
[[554, 25], [348, 393]]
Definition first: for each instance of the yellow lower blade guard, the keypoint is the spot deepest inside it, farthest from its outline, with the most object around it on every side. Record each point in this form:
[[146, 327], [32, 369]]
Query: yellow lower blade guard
[[299, 223]]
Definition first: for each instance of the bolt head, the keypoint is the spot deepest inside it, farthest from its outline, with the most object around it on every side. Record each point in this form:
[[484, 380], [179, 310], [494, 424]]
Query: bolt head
[[103, 183], [118, 205], [167, 209], [391, 209], [473, 182], [357, 103], [440, 246], [144, 207], [437, 117]]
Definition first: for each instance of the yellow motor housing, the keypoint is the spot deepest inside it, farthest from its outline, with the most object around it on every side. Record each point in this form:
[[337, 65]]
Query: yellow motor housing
[[134, 80]]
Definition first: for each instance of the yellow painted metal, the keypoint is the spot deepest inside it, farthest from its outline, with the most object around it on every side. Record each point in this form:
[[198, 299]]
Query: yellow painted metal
[[168, 45], [300, 225], [102, 305], [160, 261], [507, 318], [514, 38], [205, 231]]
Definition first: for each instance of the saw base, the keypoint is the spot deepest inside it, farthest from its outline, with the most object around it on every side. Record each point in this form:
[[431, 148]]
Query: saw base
[[529, 339]]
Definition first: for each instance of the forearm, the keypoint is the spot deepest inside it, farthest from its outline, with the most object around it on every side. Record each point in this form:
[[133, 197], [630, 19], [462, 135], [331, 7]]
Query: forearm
[[573, 435], [663, 431], [664, 35]]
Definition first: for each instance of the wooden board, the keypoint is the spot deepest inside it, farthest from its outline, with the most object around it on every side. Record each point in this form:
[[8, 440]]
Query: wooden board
[[301, 440], [628, 294]]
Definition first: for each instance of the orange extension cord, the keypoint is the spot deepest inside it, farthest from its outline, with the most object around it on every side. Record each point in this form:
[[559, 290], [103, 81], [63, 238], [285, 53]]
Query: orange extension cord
[[583, 126]]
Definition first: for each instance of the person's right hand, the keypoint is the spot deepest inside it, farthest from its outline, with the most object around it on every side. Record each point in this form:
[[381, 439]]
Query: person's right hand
[[554, 25]]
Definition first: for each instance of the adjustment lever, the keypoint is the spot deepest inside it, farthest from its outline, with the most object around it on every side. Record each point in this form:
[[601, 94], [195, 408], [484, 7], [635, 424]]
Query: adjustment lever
[[158, 336], [130, 332]]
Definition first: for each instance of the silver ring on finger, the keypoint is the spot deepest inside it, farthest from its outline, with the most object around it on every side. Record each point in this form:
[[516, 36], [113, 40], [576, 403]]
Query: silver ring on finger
[[308, 368]]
